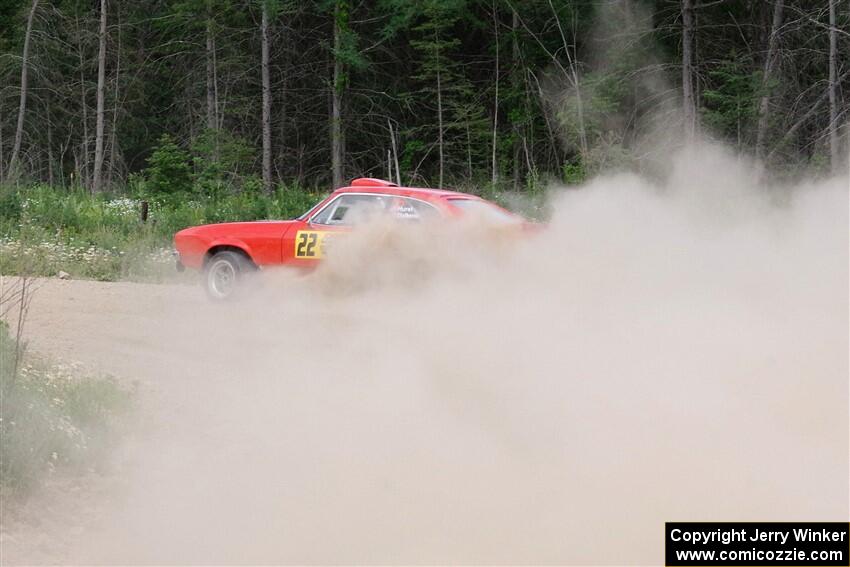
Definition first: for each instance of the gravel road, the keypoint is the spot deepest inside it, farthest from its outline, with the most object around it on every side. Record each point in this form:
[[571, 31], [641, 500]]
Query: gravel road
[[427, 404], [114, 328]]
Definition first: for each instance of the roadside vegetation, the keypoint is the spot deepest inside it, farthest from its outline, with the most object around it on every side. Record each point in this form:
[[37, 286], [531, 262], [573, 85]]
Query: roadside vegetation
[[109, 107], [53, 417], [46, 230]]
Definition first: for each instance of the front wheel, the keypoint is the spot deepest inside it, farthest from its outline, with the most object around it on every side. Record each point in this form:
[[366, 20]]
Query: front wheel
[[223, 274]]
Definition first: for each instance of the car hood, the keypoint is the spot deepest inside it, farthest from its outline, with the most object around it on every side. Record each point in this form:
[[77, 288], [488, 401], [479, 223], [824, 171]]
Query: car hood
[[230, 227]]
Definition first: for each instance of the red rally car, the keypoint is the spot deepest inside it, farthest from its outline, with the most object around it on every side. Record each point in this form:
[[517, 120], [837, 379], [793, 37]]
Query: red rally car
[[225, 251]]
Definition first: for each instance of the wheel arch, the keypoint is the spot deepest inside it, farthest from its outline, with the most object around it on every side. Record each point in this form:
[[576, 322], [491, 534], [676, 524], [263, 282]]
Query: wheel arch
[[215, 249]]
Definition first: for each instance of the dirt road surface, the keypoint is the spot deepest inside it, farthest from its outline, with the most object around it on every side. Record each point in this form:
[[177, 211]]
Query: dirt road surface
[[113, 328], [187, 358], [415, 400]]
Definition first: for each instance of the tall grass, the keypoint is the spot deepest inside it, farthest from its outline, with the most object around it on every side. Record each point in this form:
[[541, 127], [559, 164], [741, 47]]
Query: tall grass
[[46, 229]]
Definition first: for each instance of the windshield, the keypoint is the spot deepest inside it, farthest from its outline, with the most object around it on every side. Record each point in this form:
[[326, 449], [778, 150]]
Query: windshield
[[486, 211], [309, 211]]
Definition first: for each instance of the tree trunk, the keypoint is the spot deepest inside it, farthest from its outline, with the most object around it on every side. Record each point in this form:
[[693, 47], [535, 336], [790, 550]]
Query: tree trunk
[[767, 77], [22, 106], [49, 147], [573, 77], [113, 136], [833, 88], [493, 165], [468, 152], [63, 149], [2, 170], [688, 101], [218, 113], [394, 147], [267, 102], [440, 125], [337, 91], [280, 162], [212, 120], [803, 119], [515, 83], [82, 164], [101, 81]]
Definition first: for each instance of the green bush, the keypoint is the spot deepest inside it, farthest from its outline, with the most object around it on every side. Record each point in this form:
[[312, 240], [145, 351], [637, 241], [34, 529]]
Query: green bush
[[10, 204], [168, 172], [219, 158], [574, 173]]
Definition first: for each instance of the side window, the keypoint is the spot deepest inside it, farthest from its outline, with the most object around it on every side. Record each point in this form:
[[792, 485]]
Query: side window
[[324, 214], [413, 210], [352, 209]]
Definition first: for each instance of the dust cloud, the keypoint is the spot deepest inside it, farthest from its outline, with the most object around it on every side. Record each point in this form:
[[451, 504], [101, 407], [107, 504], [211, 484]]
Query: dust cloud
[[662, 351]]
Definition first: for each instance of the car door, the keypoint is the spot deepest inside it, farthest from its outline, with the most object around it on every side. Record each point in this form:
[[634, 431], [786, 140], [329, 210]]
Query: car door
[[307, 242]]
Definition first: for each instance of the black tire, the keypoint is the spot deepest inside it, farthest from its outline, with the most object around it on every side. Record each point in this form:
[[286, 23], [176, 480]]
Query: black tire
[[223, 274]]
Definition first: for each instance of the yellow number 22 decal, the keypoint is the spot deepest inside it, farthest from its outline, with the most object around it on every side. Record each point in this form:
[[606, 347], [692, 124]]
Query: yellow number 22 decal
[[309, 244]]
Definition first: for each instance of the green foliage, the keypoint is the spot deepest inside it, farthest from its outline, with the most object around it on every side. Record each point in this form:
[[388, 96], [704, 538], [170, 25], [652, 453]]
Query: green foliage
[[10, 203], [219, 158], [167, 61], [168, 171], [52, 416], [574, 174], [11, 35], [48, 229], [348, 52], [730, 102], [444, 87]]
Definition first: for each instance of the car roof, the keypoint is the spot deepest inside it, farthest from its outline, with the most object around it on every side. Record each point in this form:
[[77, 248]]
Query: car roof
[[370, 185]]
